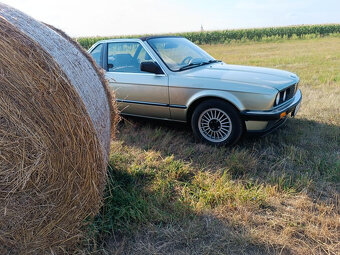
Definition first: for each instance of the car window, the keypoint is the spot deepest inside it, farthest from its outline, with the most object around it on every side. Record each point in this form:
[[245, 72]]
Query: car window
[[126, 57], [97, 55]]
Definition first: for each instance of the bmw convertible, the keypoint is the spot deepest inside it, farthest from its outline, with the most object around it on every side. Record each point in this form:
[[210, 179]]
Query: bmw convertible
[[171, 78]]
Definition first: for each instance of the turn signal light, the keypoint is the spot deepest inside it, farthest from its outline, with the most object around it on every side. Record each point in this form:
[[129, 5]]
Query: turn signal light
[[283, 115]]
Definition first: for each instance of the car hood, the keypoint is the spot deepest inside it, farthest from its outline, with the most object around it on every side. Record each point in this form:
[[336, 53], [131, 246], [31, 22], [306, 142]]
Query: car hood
[[258, 76]]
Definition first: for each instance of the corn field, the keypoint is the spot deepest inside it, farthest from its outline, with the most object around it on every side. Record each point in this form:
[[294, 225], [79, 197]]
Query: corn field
[[228, 36]]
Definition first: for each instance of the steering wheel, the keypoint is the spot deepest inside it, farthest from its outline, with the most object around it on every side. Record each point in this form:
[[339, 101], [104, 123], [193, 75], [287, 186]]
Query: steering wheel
[[187, 60]]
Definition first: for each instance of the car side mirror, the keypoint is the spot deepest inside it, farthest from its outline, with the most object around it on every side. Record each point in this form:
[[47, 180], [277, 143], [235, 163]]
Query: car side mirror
[[151, 67]]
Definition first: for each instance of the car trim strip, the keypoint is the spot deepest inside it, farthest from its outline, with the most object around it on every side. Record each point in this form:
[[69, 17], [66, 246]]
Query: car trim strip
[[151, 103], [177, 106]]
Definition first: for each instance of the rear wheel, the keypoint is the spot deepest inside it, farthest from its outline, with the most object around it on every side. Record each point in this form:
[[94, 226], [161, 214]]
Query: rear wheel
[[217, 123]]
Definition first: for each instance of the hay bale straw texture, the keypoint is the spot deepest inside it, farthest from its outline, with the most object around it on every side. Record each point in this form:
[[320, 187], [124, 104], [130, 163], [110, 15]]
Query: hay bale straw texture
[[56, 117]]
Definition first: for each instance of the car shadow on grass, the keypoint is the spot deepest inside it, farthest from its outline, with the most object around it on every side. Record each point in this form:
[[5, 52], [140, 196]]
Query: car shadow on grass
[[301, 146]]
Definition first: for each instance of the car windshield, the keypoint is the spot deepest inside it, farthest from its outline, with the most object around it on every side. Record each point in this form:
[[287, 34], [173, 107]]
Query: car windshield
[[179, 53]]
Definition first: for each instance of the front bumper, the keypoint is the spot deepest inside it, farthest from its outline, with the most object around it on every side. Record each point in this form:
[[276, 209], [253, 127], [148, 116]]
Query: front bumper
[[271, 126], [276, 113]]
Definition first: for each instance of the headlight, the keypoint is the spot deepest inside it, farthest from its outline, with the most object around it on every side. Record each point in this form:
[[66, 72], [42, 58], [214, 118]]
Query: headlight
[[277, 99], [284, 95]]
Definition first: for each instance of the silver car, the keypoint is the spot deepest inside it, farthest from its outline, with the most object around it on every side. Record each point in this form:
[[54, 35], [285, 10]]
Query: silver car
[[170, 78]]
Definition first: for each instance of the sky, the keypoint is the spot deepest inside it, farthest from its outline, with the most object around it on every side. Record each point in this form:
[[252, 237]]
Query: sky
[[135, 17]]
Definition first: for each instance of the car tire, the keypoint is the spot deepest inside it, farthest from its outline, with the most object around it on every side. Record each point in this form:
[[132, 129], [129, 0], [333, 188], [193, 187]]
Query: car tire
[[216, 122]]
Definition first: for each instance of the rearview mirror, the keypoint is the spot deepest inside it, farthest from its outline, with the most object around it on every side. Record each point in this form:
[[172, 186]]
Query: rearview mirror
[[151, 67]]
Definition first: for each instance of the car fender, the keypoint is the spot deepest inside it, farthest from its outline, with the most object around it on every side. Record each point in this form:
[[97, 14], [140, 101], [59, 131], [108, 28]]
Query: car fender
[[224, 95]]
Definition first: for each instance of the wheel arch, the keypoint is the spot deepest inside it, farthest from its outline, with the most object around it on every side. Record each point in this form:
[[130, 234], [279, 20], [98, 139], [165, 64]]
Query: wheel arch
[[228, 98]]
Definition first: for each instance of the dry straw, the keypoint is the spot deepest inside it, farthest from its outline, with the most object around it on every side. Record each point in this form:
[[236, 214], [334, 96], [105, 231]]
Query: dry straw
[[55, 121]]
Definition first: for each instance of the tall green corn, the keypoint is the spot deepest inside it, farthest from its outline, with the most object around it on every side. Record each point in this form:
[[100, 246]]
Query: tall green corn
[[225, 36]]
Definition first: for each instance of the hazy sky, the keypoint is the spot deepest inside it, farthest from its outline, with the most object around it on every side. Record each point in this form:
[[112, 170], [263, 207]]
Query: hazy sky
[[111, 17]]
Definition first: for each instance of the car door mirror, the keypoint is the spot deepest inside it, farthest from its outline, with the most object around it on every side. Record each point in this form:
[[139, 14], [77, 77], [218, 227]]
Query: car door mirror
[[151, 67]]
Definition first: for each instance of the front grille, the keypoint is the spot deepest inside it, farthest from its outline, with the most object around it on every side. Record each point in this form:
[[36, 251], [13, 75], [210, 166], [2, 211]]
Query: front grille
[[290, 92]]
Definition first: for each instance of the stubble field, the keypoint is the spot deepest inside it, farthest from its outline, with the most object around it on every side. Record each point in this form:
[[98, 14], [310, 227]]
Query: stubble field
[[277, 194]]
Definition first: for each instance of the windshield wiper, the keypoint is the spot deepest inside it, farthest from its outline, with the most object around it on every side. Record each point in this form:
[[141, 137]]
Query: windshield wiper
[[214, 61], [191, 65]]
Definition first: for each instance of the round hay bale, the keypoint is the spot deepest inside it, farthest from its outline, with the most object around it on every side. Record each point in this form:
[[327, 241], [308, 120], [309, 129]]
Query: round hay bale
[[56, 116]]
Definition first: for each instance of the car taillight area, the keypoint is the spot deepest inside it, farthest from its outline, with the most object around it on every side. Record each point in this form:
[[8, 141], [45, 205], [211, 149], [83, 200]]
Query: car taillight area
[[286, 94]]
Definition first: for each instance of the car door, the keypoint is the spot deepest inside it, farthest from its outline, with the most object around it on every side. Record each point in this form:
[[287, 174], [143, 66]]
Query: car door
[[138, 93]]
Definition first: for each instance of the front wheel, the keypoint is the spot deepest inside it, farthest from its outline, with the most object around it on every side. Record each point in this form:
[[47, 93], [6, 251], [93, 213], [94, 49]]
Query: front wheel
[[217, 123]]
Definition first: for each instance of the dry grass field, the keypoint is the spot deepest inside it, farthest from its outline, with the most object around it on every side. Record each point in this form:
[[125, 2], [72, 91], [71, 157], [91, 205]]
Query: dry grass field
[[277, 194]]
